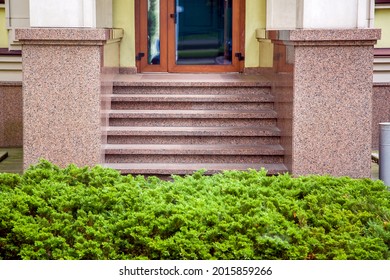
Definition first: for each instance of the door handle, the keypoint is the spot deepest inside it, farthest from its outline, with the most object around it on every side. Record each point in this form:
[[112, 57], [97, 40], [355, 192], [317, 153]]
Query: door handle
[[240, 56], [139, 56], [174, 15]]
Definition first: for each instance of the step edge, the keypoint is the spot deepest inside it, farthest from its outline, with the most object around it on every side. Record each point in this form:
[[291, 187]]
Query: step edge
[[191, 146], [204, 114], [183, 169], [208, 84], [117, 97], [190, 149], [193, 131]]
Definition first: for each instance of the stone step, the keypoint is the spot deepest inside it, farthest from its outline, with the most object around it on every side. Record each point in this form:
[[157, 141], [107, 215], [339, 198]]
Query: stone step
[[190, 102], [200, 140], [189, 88], [176, 124], [191, 122], [193, 131], [124, 105], [232, 98], [192, 80], [193, 135], [193, 114], [180, 158], [139, 149], [195, 153], [189, 168]]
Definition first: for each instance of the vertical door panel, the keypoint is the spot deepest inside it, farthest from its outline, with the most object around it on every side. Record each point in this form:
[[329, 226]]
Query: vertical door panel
[[153, 35]]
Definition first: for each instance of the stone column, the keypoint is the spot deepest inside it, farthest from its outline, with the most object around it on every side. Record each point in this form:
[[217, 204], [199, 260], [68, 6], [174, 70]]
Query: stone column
[[323, 60], [63, 90], [330, 99]]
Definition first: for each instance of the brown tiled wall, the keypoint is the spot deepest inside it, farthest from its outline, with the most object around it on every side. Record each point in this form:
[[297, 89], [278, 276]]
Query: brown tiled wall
[[11, 116], [381, 110]]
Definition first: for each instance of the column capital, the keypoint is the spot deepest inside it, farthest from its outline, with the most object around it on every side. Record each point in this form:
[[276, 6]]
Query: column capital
[[67, 35], [327, 36]]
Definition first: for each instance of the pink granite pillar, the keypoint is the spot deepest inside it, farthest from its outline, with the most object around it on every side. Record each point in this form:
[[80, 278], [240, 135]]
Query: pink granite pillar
[[63, 89], [331, 99]]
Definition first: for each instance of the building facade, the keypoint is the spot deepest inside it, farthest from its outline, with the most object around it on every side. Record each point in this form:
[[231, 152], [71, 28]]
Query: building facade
[[67, 69]]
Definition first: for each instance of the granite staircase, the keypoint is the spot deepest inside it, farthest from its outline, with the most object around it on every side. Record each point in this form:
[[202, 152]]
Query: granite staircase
[[178, 127]]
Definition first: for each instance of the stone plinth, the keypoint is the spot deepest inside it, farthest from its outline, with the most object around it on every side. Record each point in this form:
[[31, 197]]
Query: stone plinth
[[63, 94], [330, 99]]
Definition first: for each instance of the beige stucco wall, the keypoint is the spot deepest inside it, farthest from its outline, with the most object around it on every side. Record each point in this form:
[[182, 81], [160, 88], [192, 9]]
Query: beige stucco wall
[[255, 18], [382, 20], [124, 17], [3, 29]]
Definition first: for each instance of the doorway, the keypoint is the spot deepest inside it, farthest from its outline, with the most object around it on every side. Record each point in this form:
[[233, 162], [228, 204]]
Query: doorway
[[193, 36]]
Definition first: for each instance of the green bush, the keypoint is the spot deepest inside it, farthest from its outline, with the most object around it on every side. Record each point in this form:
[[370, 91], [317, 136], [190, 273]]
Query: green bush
[[95, 213]]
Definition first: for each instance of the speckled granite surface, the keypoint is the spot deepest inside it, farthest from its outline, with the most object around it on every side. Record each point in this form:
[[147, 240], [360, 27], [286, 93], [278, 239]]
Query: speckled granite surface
[[78, 35], [332, 35], [332, 105], [381, 110], [330, 118], [63, 86], [282, 89], [332, 111]]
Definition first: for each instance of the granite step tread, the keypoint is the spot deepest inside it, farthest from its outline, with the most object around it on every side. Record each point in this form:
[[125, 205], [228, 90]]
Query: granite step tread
[[191, 90], [170, 83], [204, 114], [188, 168], [192, 98], [193, 149], [193, 131], [190, 80]]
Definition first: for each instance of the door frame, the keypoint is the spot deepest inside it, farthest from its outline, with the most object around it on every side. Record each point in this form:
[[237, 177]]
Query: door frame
[[168, 45]]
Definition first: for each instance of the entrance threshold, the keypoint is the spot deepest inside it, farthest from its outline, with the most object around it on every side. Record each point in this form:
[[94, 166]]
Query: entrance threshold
[[230, 78]]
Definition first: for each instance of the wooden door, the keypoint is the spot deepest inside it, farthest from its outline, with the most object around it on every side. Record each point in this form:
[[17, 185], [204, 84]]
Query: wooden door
[[190, 35]]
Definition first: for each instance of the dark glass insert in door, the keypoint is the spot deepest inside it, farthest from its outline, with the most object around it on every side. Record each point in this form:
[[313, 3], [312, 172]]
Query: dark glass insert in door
[[203, 32]]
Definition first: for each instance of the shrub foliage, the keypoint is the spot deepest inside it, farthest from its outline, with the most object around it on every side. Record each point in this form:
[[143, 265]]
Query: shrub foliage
[[95, 213]]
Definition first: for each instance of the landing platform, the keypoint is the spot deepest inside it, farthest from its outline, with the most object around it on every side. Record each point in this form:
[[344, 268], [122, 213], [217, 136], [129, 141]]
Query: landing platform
[[185, 79]]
